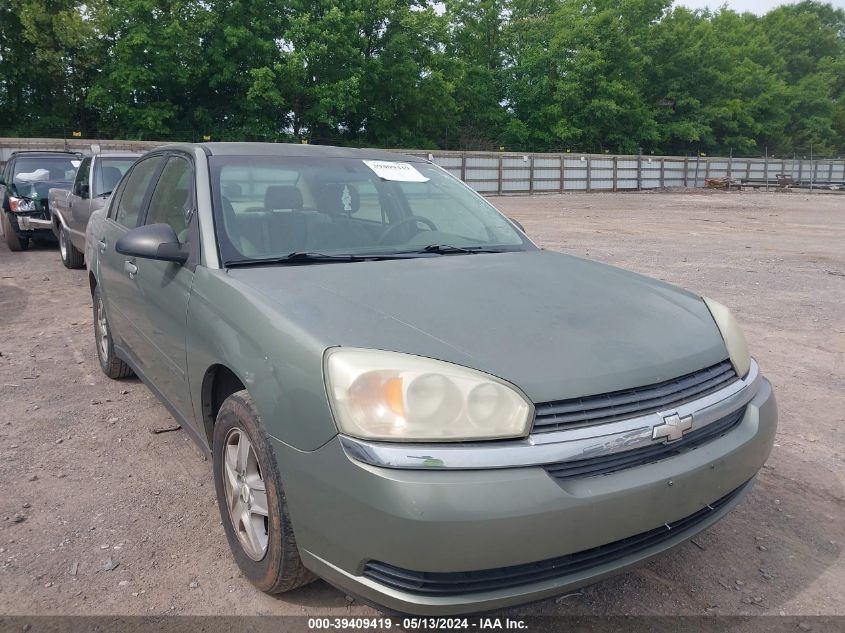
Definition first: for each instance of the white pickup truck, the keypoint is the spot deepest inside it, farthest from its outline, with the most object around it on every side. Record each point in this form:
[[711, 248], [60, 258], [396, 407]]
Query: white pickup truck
[[96, 177]]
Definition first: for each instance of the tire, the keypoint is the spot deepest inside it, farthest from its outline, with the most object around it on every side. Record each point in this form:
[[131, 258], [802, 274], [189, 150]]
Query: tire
[[14, 241], [273, 565], [112, 366], [71, 257]]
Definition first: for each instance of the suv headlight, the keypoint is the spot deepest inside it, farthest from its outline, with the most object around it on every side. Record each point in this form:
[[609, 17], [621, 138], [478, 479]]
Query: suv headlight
[[22, 204], [732, 335], [390, 396]]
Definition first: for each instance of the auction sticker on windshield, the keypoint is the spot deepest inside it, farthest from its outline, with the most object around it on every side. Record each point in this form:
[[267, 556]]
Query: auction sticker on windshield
[[390, 170]]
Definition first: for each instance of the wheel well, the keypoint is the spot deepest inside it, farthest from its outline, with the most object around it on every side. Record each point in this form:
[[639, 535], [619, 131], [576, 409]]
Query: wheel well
[[92, 281], [219, 383]]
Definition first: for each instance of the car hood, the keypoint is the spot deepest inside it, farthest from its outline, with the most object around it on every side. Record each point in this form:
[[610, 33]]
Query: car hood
[[556, 326]]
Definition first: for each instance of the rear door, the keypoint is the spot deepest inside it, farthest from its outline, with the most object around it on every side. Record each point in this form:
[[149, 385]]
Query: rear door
[[162, 289], [118, 283]]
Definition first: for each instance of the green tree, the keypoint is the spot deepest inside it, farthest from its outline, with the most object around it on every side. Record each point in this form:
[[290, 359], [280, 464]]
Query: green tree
[[578, 69], [588, 75], [48, 58], [475, 49], [147, 84]]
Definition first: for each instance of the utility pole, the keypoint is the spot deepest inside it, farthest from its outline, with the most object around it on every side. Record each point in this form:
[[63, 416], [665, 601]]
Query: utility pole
[[766, 169], [812, 168], [730, 167]]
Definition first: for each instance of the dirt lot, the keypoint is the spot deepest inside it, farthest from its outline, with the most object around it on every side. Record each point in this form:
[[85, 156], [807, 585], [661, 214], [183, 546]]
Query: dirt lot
[[117, 520]]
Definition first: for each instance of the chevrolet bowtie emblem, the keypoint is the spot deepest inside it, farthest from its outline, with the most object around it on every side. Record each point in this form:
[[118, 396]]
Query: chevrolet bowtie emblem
[[672, 429]]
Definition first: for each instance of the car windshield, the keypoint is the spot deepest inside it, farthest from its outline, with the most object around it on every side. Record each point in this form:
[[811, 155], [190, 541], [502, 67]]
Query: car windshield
[[328, 209], [45, 169]]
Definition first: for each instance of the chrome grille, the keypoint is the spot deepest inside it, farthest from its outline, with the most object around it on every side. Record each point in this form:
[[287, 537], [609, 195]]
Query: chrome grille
[[606, 464], [630, 403]]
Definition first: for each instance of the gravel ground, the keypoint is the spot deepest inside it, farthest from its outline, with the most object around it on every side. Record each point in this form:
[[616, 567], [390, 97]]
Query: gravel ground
[[100, 516]]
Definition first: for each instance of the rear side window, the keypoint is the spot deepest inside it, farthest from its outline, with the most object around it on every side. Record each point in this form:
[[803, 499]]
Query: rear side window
[[135, 192], [171, 200], [81, 185]]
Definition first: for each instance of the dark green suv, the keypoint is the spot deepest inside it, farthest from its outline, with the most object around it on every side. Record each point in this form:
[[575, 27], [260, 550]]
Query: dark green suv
[[24, 185]]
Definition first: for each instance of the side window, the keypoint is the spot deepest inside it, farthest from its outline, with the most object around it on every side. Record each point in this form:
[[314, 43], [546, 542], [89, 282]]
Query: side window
[[107, 173], [82, 182], [171, 201], [132, 198]]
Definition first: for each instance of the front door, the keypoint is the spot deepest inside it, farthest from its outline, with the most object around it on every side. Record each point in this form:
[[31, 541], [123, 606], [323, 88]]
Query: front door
[[162, 289], [79, 201]]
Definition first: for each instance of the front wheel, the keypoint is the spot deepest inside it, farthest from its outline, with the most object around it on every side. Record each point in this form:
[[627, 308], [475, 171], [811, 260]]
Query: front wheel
[[14, 241], [252, 501], [71, 257], [112, 366]]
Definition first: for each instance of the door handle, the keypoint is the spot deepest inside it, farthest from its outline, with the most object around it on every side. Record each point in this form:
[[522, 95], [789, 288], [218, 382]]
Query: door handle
[[130, 269], [102, 246]]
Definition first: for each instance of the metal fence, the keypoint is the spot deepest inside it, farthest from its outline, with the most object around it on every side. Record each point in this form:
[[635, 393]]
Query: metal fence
[[513, 173], [509, 173]]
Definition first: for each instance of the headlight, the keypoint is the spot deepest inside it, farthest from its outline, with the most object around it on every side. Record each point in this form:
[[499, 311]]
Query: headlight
[[22, 204], [732, 335], [399, 397]]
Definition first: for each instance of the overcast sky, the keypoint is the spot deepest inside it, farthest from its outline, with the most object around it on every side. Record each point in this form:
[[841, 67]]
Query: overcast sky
[[755, 6]]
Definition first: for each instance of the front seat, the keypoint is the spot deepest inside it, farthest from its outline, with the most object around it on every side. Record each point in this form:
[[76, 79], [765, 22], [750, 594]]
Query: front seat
[[339, 201], [288, 224]]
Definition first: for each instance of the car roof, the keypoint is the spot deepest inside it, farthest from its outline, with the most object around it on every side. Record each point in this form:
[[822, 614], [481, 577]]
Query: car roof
[[294, 149], [42, 152], [116, 155]]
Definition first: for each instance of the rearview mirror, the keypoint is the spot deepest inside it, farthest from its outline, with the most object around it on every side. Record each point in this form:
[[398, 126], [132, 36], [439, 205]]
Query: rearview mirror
[[153, 241]]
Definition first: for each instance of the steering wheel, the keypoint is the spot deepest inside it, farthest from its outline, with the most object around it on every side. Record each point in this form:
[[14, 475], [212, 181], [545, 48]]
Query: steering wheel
[[409, 220]]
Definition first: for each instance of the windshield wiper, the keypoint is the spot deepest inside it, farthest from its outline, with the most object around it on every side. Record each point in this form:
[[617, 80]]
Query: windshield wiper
[[310, 257], [448, 249], [294, 258]]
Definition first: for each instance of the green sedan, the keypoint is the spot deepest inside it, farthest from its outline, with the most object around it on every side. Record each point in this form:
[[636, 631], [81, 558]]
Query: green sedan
[[405, 396]]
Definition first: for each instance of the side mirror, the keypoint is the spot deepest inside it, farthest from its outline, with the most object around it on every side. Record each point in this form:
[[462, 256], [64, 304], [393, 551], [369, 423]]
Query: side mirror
[[153, 241], [518, 224], [84, 191], [2, 180]]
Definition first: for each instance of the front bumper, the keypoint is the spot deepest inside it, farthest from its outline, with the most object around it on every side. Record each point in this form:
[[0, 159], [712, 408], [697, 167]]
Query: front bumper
[[347, 514], [32, 222]]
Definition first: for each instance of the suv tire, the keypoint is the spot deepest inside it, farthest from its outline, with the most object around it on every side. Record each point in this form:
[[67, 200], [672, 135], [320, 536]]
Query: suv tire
[[14, 241]]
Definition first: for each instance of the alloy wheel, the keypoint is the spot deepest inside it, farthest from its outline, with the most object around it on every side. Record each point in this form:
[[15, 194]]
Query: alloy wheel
[[63, 244], [102, 330], [246, 495]]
